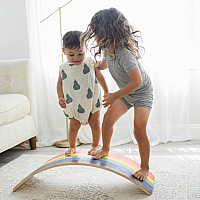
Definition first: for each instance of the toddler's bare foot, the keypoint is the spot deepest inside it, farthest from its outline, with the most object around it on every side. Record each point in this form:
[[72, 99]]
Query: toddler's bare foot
[[141, 174], [93, 149], [99, 153], [70, 151]]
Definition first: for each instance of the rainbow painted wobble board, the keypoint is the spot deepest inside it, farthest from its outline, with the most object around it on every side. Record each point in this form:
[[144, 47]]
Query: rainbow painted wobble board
[[114, 162]]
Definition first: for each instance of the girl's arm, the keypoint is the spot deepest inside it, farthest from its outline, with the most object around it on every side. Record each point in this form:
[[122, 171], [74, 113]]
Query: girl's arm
[[135, 83], [101, 80], [61, 98]]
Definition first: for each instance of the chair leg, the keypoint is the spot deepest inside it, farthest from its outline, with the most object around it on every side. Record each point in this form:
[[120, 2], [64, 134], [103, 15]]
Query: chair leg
[[32, 142]]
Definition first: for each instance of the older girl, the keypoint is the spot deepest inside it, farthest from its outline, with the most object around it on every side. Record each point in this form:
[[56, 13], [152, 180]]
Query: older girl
[[118, 41]]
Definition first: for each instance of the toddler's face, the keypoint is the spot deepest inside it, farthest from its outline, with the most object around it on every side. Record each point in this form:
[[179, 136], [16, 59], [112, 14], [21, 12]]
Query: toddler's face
[[74, 56]]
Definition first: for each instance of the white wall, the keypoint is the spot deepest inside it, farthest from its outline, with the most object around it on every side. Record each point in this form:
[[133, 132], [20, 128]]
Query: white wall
[[13, 30]]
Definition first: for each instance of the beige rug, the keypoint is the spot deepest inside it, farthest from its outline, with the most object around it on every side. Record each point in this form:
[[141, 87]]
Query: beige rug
[[176, 177]]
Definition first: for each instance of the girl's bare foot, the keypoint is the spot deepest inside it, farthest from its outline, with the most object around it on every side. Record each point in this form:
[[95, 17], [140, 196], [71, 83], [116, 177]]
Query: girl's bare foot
[[141, 174], [93, 149], [70, 151], [99, 153]]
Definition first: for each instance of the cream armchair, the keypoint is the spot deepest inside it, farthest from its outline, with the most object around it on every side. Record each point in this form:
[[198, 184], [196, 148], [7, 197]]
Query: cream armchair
[[18, 111]]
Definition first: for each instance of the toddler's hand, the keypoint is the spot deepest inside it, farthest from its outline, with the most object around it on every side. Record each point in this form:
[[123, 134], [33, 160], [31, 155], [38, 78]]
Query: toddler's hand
[[62, 102]]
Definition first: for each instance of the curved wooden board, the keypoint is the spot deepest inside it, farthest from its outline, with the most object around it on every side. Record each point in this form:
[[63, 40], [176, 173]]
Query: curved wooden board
[[114, 162]]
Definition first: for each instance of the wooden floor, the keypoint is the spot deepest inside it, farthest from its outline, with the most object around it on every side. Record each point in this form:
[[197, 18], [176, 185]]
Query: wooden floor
[[171, 148]]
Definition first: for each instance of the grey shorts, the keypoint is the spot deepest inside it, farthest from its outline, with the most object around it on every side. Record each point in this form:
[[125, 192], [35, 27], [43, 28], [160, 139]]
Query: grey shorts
[[139, 100]]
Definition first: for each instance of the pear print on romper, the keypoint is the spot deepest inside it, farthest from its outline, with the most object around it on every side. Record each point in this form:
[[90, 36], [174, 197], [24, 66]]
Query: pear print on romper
[[66, 115], [89, 93], [98, 103], [68, 99], [63, 75], [76, 86], [96, 81], [80, 109], [86, 69]]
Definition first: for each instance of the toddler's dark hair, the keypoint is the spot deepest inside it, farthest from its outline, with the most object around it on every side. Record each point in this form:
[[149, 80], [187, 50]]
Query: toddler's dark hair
[[71, 39]]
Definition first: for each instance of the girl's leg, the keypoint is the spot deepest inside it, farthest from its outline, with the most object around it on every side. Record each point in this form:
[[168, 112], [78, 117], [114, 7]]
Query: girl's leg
[[74, 126], [94, 122], [111, 116], [141, 116]]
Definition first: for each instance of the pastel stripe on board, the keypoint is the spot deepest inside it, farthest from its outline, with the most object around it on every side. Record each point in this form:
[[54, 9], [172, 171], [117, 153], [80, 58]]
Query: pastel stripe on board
[[114, 162], [112, 156]]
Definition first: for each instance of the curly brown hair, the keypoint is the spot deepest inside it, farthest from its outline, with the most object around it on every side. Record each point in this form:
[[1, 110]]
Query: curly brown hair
[[110, 29]]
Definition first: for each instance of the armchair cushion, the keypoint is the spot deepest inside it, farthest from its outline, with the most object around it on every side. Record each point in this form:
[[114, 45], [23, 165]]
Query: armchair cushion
[[13, 107], [18, 108]]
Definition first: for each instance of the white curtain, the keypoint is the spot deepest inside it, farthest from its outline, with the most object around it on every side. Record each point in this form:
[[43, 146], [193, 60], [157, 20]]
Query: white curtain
[[170, 31], [49, 131]]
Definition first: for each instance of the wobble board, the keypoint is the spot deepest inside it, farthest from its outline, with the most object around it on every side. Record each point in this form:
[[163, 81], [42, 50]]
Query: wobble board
[[114, 162]]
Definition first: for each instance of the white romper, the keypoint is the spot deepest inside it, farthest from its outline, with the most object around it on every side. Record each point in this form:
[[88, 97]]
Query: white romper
[[81, 90]]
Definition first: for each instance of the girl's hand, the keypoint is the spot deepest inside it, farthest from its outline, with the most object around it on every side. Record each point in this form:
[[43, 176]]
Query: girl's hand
[[62, 102], [108, 100], [96, 64]]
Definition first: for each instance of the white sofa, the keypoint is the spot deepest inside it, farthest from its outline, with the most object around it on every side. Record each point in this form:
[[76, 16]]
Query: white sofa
[[18, 109]]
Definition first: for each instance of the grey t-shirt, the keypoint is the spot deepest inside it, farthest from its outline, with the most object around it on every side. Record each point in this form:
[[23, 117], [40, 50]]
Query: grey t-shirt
[[122, 62]]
